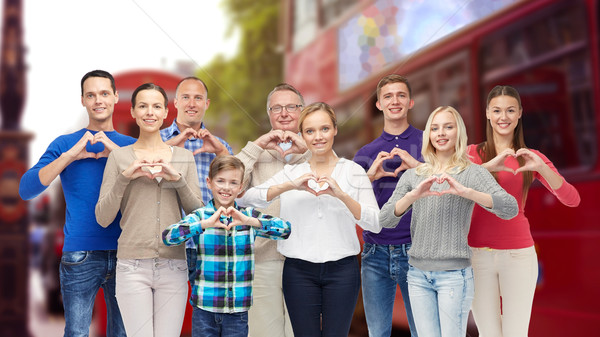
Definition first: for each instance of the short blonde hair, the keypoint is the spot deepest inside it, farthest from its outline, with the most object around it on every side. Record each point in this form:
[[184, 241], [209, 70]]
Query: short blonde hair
[[317, 106], [459, 160]]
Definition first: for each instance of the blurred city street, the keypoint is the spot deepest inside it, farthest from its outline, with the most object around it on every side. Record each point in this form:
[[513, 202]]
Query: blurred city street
[[41, 323]]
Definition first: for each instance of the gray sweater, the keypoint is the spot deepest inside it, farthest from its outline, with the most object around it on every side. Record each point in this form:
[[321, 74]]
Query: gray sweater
[[440, 224]]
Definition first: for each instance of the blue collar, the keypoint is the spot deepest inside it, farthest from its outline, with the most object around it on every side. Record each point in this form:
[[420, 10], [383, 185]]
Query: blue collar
[[173, 129], [404, 135]]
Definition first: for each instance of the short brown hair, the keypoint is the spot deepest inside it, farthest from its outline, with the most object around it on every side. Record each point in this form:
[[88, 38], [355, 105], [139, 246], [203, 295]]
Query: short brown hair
[[225, 162], [393, 78]]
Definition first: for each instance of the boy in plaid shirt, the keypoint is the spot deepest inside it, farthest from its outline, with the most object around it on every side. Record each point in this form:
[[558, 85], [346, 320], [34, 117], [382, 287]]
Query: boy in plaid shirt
[[224, 234]]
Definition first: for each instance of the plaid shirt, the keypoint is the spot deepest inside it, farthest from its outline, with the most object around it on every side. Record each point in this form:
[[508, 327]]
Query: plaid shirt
[[225, 265], [203, 160]]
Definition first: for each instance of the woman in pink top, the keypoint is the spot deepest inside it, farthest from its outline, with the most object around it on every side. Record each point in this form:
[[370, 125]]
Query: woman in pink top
[[504, 258]]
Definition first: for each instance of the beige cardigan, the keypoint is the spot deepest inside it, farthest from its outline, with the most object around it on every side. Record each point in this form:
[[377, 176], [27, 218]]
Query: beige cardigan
[[260, 165], [147, 206]]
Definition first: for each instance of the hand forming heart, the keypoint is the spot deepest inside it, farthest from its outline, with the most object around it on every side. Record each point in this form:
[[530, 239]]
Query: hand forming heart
[[152, 167], [532, 162], [92, 146], [316, 187], [210, 143], [228, 218], [424, 189], [280, 143], [384, 159], [284, 142], [496, 164]]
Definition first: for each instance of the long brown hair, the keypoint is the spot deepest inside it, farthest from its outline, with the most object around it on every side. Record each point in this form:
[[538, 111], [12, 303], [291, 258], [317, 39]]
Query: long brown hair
[[487, 149]]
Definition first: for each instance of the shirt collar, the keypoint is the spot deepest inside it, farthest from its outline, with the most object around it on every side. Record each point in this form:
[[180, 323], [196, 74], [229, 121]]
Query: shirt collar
[[173, 129], [211, 205], [403, 135]]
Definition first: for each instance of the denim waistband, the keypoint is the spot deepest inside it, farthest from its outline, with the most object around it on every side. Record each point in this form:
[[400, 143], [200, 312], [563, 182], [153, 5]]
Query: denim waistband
[[321, 263]]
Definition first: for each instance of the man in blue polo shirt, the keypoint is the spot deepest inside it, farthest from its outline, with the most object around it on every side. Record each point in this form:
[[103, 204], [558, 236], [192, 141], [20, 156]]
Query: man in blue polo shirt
[[384, 257], [90, 251]]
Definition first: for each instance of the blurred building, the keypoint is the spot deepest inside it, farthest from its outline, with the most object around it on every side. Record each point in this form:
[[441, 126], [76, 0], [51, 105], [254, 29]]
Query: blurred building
[[14, 149]]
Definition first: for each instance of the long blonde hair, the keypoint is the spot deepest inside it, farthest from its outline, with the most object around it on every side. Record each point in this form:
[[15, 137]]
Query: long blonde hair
[[459, 160]]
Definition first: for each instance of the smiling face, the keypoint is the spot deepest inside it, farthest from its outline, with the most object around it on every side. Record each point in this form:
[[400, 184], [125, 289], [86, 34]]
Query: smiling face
[[149, 111], [318, 132], [285, 120], [99, 99], [394, 101], [226, 185], [503, 113], [443, 133], [191, 103]]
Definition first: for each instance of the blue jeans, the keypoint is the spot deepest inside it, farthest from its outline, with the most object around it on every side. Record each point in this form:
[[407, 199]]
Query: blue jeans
[[212, 324], [441, 300], [321, 297], [384, 266], [82, 274]]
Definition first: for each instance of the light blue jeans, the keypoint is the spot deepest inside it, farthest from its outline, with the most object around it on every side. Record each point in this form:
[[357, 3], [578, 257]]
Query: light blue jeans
[[382, 267], [82, 273], [441, 301]]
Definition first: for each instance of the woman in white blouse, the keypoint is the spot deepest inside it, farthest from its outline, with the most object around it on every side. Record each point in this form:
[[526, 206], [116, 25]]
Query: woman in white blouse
[[323, 199]]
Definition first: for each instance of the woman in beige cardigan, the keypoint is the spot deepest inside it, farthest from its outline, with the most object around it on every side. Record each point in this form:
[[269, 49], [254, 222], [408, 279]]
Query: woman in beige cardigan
[[149, 182]]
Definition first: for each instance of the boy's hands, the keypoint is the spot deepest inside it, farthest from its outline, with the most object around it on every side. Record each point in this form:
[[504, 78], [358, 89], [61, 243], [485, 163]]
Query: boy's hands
[[227, 218]]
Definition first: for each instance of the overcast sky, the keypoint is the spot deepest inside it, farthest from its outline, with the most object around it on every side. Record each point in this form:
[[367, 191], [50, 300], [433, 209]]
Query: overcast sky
[[67, 38]]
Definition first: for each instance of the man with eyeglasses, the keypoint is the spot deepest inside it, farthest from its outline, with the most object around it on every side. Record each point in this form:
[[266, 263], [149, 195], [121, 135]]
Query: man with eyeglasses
[[188, 131], [262, 159]]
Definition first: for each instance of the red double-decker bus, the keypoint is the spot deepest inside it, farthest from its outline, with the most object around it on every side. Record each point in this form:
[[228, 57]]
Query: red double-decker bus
[[453, 53]]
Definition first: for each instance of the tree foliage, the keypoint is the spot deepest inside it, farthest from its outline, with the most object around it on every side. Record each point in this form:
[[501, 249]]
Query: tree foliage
[[238, 87]]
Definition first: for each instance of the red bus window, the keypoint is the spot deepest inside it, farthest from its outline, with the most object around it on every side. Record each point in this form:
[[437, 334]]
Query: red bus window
[[550, 67]]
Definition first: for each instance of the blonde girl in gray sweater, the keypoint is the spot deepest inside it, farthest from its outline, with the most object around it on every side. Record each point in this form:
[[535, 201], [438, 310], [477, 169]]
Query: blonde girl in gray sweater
[[442, 193]]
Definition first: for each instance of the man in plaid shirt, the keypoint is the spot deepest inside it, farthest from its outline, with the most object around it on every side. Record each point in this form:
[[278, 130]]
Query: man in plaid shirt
[[224, 234], [188, 131]]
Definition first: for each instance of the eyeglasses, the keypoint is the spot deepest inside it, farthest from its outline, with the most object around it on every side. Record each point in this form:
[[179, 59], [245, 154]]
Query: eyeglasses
[[289, 108]]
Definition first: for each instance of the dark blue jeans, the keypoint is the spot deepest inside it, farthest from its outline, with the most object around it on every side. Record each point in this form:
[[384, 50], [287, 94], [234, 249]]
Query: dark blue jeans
[[384, 266], [82, 274], [212, 324], [321, 297]]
